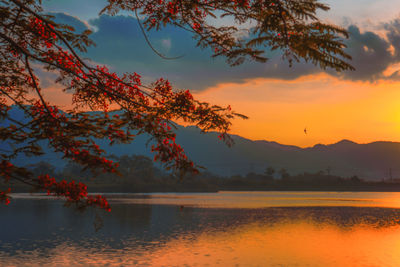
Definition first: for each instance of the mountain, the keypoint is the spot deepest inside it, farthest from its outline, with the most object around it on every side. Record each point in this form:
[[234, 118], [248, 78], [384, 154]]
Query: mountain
[[373, 161]]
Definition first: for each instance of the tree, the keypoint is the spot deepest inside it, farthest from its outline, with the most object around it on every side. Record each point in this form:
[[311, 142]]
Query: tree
[[31, 40], [284, 174], [42, 167], [136, 168], [269, 172]]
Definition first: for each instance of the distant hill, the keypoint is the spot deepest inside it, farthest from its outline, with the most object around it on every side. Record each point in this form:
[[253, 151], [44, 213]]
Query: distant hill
[[373, 161]]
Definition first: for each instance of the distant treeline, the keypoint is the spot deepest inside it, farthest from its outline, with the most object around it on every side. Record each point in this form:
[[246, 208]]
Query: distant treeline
[[138, 174]]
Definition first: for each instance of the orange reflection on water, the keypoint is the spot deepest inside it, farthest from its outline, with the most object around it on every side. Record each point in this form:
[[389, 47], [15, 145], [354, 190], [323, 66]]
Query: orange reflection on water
[[254, 199], [298, 244], [364, 231]]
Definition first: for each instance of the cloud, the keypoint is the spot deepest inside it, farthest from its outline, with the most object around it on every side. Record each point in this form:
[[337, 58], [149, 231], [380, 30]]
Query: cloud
[[393, 35], [83, 9], [371, 55], [166, 43], [121, 44], [63, 18]]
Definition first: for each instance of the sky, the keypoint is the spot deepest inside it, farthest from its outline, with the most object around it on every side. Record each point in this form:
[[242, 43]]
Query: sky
[[280, 101]]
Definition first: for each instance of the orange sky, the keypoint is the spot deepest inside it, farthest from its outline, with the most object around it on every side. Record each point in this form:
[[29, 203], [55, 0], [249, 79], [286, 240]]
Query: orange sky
[[330, 108]]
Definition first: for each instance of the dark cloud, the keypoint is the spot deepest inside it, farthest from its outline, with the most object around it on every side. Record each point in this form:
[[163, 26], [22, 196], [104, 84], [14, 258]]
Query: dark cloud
[[120, 44], [393, 35], [371, 55], [62, 18]]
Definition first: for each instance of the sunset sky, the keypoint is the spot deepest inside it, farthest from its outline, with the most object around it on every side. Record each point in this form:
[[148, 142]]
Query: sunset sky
[[362, 105]]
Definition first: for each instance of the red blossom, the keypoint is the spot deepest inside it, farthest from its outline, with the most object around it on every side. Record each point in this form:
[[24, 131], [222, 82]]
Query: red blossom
[[72, 191], [44, 31], [4, 196]]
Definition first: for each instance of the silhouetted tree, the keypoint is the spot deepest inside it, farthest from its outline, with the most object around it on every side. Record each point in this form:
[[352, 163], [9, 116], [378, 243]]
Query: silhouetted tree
[[328, 170], [136, 168], [284, 174], [355, 179], [42, 168], [269, 172], [31, 40]]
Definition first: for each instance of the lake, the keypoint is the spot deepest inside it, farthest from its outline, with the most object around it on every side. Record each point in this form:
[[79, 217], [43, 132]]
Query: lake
[[205, 229]]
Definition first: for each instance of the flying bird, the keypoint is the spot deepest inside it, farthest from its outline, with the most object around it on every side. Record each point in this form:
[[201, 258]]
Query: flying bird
[[305, 130]]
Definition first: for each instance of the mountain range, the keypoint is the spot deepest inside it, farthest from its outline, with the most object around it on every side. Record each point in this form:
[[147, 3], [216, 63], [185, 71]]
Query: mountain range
[[372, 161]]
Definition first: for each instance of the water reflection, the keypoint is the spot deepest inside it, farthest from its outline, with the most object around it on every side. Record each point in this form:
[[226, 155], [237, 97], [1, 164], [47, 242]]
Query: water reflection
[[265, 199], [43, 233]]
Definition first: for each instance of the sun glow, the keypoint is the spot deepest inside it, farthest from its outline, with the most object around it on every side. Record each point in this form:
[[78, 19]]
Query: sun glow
[[330, 108]]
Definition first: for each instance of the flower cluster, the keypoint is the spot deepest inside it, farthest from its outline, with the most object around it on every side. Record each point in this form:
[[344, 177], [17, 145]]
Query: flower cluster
[[73, 192], [45, 32], [64, 60], [99, 201], [4, 196]]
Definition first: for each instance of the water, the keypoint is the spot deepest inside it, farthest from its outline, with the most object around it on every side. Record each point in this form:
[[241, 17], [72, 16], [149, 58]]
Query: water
[[213, 229]]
